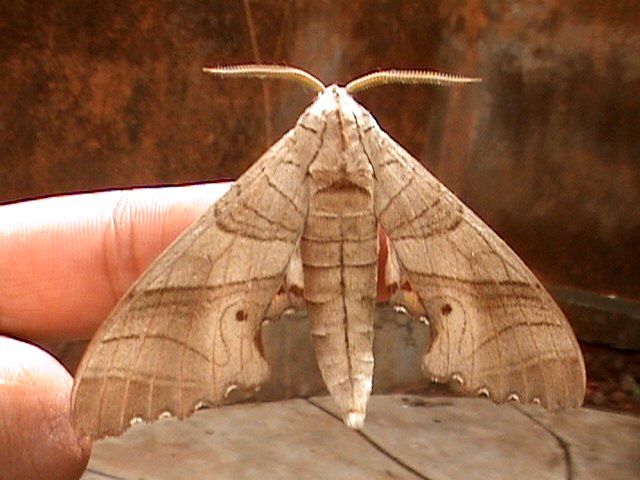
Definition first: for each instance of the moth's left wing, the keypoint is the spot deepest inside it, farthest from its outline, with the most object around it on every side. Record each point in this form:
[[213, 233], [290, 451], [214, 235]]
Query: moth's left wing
[[495, 329], [188, 331]]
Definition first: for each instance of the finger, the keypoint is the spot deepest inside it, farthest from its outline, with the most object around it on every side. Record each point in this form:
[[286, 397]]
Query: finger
[[65, 261], [36, 435]]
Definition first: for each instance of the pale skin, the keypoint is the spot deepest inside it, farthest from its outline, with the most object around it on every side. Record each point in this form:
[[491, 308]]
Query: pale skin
[[64, 263]]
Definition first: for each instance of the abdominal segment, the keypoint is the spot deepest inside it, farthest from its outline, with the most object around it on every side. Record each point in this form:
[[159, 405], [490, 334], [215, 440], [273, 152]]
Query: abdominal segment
[[339, 254]]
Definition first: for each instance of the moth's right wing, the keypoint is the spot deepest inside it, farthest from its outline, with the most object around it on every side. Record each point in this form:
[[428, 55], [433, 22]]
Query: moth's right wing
[[495, 329], [189, 330]]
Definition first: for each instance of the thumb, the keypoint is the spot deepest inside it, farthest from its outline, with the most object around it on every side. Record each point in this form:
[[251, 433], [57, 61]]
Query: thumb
[[35, 427]]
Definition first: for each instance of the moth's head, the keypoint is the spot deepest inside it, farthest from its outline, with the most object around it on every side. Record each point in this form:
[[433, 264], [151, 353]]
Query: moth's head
[[334, 98]]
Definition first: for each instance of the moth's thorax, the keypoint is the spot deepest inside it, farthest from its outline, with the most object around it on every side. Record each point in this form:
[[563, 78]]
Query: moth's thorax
[[341, 160]]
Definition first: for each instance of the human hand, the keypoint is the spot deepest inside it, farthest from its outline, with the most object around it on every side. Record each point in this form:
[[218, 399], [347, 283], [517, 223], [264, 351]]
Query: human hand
[[64, 263]]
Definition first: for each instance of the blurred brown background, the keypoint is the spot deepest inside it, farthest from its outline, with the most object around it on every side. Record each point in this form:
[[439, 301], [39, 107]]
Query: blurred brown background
[[99, 95]]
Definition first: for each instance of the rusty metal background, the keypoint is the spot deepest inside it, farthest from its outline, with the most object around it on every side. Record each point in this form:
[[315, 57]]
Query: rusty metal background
[[97, 95]]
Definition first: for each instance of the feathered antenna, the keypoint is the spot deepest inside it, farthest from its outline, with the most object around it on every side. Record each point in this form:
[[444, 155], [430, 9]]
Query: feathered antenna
[[268, 71], [365, 82], [413, 77]]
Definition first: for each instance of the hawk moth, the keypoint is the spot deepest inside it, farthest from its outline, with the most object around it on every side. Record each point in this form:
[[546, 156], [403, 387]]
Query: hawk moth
[[300, 229]]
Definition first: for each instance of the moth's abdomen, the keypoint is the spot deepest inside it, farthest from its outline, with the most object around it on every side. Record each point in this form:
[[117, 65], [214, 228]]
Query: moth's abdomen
[[339, 255]]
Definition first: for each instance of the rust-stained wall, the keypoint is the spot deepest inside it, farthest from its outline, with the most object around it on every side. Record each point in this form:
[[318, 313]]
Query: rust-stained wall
[[97, 95]]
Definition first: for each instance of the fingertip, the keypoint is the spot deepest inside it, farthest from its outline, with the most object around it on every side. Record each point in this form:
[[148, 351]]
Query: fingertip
[[35, 392]]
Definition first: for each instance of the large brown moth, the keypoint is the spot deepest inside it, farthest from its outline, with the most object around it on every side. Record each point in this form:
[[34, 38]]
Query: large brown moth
[[300, 229]]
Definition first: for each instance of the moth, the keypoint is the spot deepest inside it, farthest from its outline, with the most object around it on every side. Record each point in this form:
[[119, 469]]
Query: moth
[[300, 229]]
